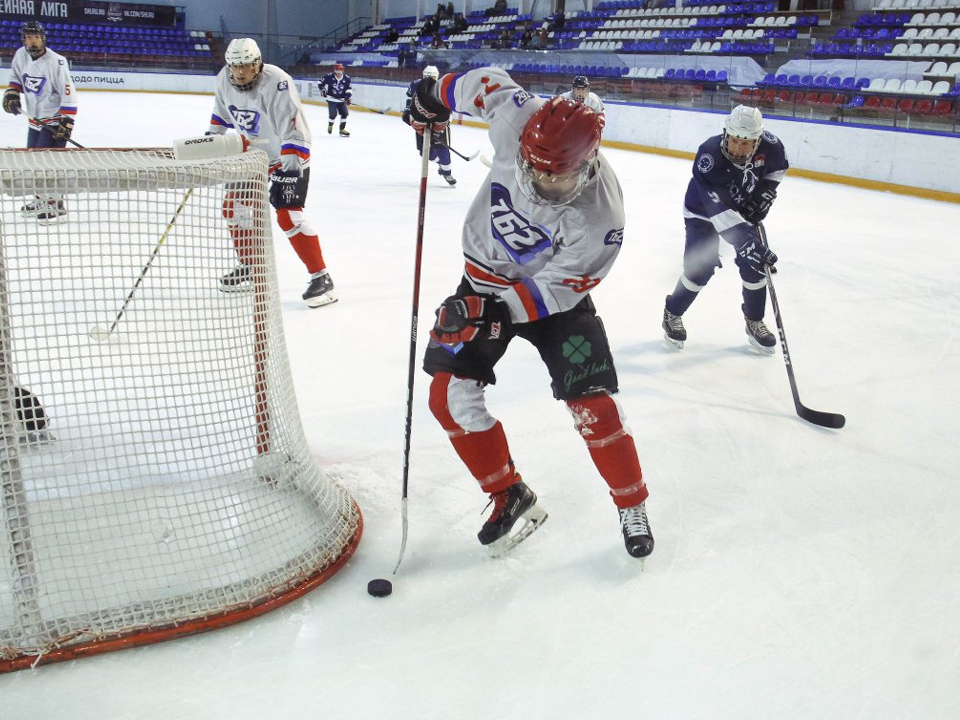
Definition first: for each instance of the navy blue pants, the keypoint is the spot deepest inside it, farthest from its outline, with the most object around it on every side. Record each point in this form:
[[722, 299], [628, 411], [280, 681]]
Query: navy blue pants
[[337, 108], [43, 139], [701, 258]]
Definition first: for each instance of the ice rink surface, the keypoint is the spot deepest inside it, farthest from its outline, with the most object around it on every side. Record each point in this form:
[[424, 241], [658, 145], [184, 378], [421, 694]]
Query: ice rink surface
[[799, 573]]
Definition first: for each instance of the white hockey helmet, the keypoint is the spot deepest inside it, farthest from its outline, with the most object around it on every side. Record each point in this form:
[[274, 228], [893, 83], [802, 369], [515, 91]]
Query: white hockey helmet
[[243, 52], [430, 71], [745, 124]]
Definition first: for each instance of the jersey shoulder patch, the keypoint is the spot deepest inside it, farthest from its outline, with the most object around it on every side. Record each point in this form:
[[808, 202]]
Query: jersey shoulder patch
[[520, 97], [770, 137], [282, 85], [705, 163]]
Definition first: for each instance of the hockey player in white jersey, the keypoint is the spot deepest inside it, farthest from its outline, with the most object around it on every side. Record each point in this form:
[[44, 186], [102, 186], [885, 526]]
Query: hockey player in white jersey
[[544, 229], [260, 102], [580, 92], [40, 84]]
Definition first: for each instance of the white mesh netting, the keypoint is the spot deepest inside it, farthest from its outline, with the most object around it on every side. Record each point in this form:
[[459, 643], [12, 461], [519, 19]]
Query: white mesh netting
[[167, 487]]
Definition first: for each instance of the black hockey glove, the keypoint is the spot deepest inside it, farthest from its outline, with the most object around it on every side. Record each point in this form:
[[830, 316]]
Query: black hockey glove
[[347, 100], [755, 252], [11, 102], [288, 188], [426, 110], [758, 205], [61, 128], [462, 319]]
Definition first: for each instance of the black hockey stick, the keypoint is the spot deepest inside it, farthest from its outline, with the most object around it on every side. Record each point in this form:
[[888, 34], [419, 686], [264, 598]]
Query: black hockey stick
[[461, 155], [102, 334], [414, 321], [817, 417], [45, 123]]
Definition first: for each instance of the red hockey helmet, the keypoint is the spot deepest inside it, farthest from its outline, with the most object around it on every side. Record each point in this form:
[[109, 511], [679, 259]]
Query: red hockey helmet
[[338, 67], [558, 147]]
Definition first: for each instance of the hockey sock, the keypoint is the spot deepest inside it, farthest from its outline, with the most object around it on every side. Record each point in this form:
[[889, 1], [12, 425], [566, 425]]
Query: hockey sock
[[302, 237], [239, 217], [600, 424], [478, 438], [754, 299], [683, 296]]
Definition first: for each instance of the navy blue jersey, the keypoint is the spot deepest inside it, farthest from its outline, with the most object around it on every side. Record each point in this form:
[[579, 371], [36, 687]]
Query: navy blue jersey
[[411, 91], [719, 189], [335, 90]]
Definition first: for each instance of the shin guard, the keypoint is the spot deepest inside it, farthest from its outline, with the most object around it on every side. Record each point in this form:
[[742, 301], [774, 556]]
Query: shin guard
[[600, 424], [302, 237], [478, 438]]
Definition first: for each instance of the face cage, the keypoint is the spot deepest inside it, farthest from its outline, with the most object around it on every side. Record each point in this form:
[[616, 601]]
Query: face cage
[[580, 94], [531, 186], [740, 162], [243, 87], [30, 51]]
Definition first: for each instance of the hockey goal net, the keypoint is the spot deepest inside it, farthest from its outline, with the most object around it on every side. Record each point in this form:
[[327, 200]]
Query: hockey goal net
[[154, 475]]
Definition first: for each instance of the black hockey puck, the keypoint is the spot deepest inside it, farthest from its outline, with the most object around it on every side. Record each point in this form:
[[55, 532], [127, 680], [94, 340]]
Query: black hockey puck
[[379, 587]]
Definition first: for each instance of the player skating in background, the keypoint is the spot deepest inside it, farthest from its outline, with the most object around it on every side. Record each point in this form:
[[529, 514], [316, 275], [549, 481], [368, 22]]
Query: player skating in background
[[42, 78], [581, 93], [335, 87], [735, 179], [544, 229], [261, 103], [440, 130]]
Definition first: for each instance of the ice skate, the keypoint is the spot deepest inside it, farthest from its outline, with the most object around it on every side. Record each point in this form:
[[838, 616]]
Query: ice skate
[[451, 180], [329, 128], [320, 290], [637, 536], [343, 131], [517, 502], [673, 330], [760, 337], [30, 209], [237, 280], [51, 211]]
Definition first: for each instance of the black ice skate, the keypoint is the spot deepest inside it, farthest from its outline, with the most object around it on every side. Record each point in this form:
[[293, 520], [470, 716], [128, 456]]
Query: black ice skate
[[636, 530], [343, 131], [329, 128], [30, 209], [320, 290], [760, 337], [237, 280], [51, 211], [673, 330], [451, 180], [515, 503]]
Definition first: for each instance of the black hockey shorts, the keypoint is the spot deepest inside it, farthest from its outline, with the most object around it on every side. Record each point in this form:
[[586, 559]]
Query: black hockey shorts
[[337, 108], [572, 344]]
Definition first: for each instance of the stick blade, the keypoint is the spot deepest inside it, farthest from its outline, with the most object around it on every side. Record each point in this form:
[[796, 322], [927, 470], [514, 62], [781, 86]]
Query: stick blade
[[823, 419]]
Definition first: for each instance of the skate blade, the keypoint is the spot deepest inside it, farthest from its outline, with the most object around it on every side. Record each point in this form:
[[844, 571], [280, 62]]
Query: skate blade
[[52, 221], [244, 288], [326, 299], [761, 348], [678, 344], [532, 519]]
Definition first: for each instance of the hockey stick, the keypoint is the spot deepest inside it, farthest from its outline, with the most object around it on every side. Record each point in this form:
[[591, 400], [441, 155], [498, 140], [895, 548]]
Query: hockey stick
[[39, 124], [461, 155], [102, 334], [486, 161], [817, 417], [414, 320]]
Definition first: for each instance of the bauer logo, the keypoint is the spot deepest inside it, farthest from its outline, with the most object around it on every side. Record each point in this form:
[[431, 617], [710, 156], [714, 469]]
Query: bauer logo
[[33, 84], [705, 164]]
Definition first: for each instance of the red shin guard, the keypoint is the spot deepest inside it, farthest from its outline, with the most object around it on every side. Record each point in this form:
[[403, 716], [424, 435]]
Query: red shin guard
[[611, 447], [484, 452], [304, 242]]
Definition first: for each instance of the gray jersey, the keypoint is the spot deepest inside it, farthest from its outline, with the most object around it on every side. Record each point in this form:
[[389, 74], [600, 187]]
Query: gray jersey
[[45, 85], [539, 259], [592, 101], [270, 113]]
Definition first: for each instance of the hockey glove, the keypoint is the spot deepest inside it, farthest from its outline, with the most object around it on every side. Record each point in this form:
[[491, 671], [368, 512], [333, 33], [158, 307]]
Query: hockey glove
[[11, 101], [426, 110], [61, 128], [405, 116], [462, 319], [288, 188], [758, 205], [754, 252]]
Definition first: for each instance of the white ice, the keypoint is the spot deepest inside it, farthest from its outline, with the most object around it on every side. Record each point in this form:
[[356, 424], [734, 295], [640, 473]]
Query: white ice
[[798, 573]]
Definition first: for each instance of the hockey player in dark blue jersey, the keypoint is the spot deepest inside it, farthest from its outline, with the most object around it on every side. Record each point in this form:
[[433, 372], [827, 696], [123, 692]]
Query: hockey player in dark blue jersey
[[335, 87], [440, 136], [735, 179]]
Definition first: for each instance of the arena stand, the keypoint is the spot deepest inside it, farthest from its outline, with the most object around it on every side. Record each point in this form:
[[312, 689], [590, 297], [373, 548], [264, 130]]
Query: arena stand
[[895, 65]]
